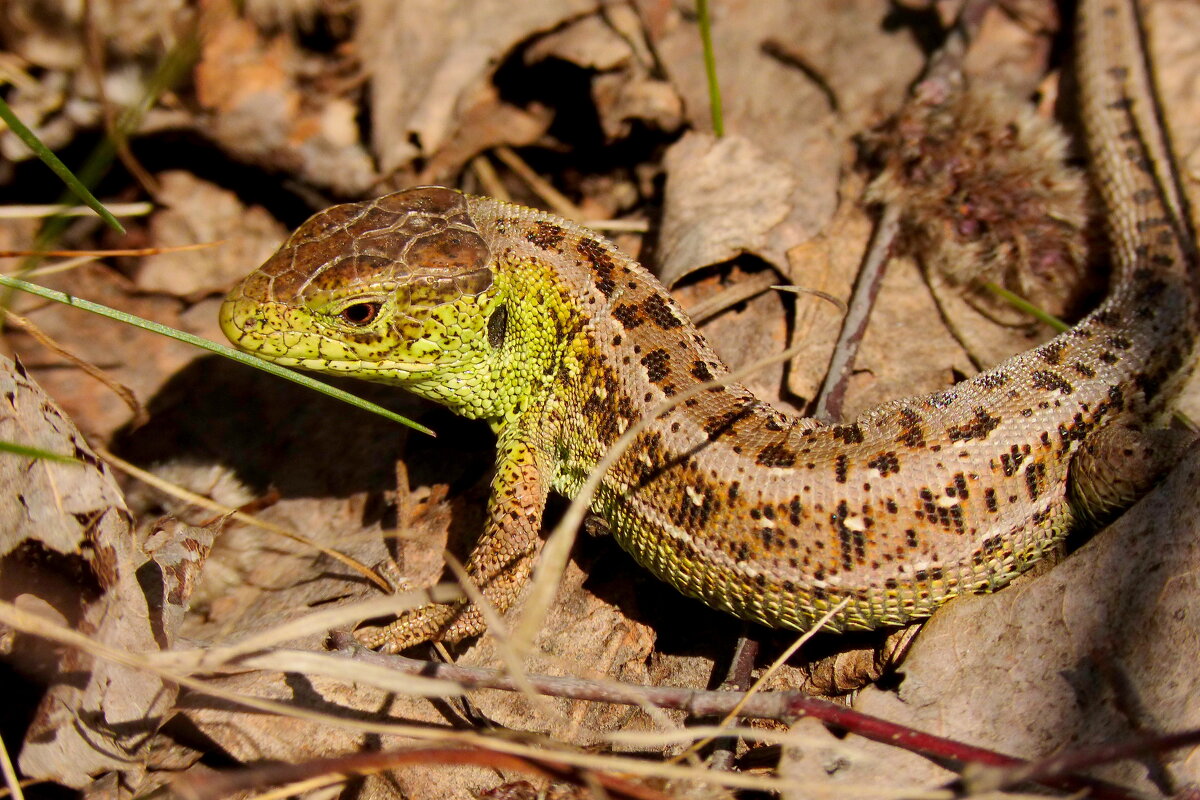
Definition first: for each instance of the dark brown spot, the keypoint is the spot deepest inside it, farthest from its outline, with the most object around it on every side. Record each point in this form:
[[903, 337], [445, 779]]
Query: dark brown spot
[[1051, 381], [1011, 461], [1083, 369], [546, 235], [980, 426], [628, 315], [960, 486], [850, 434], [1035, 479], [718, 424], [1052, 352], [601, 262], [912, 433], [658, 365], [660, 313], [886, 462], [777, 454], [1118, 342]]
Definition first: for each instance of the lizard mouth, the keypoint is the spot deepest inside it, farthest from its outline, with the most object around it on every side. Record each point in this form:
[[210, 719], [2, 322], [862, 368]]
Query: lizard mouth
[[271, 332]]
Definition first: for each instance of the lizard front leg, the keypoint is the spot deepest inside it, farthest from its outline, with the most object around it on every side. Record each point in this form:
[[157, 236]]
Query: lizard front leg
[[500, 562]]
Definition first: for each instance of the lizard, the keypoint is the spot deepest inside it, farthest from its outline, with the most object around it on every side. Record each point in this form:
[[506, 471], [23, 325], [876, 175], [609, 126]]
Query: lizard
[[561, 342]]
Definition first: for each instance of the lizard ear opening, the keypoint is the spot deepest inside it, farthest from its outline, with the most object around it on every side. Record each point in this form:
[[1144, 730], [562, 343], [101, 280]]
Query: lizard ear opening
[[497, 327]]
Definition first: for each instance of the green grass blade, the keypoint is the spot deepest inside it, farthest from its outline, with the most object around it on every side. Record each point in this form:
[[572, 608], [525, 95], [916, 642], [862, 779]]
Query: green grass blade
[[171, 71], [228, 352], [1021, 304], [710, 69], [36, 452], [60, 169]]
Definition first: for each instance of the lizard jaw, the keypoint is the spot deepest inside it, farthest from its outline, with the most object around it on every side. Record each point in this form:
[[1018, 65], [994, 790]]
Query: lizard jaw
[[263, 330]]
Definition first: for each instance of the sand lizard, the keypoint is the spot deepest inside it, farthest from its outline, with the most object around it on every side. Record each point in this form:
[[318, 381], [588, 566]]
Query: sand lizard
[[561, 342]]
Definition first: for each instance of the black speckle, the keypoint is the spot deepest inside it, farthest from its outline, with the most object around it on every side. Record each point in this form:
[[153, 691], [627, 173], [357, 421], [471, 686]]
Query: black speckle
[[776, 454], [628, 315], [657, 363], [497, 326], [1044, 379], [660, 313], [840, 465]]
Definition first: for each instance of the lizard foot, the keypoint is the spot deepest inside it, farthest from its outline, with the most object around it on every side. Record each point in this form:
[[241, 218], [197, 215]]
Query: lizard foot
[[449, 622]]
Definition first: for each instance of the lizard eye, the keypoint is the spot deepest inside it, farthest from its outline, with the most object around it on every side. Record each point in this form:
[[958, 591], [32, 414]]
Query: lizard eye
[[360, 313]]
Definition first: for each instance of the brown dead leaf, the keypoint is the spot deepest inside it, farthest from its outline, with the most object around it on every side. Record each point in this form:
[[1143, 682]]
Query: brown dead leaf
[[794, 140], [68, 552], [1012, 48], [589, 42], [485, 121], [1173, 25], [195, 212], [260, 109], [425, 59], [712, 213]]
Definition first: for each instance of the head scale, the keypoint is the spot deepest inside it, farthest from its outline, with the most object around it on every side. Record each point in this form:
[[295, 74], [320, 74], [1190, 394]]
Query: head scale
[[398, 289]]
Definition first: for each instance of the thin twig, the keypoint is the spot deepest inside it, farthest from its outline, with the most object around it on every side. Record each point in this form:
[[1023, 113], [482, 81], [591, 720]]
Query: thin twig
[[209, 786], [738, 678], [557, 201], [738, 292], [140, 416], [943, 65], [832, 397], [786, 706]]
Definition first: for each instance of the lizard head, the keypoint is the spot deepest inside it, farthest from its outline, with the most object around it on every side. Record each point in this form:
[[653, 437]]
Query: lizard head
[[397, 290]]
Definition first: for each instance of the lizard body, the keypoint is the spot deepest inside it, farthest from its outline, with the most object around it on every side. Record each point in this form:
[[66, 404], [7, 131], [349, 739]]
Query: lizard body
[[562, 343]]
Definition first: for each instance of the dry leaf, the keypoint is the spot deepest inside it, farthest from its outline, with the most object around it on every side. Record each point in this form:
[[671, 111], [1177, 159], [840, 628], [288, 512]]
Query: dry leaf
[[68, 549], [425, 58], [198, 212]]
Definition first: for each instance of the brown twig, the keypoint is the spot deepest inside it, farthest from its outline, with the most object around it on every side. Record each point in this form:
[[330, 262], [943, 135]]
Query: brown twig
[[131, 251], [831, 398], [944, 65], [780, 706], [140, 415], [209, 786], [737, 679], [979, 778]]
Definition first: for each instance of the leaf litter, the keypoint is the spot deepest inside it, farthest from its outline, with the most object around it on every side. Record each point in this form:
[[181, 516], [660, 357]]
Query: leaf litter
[[291, 105]]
